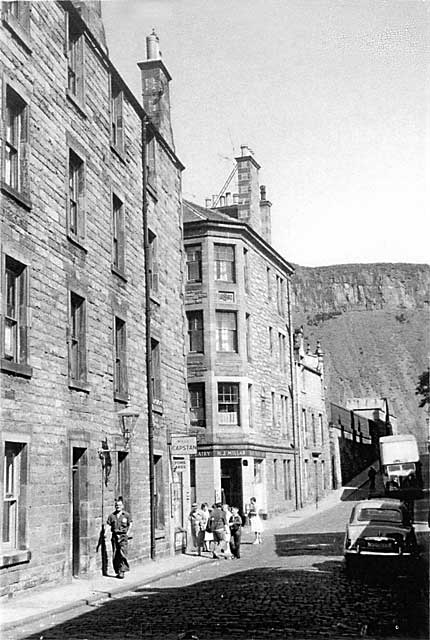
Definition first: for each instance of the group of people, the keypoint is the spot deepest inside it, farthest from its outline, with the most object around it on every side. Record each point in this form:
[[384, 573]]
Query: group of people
[[218, 530]]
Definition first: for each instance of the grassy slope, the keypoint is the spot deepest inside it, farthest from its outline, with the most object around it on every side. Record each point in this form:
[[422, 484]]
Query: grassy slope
[[376, 353]]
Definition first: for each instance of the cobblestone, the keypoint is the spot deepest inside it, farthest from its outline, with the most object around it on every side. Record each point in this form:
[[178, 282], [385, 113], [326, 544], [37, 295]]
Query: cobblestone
[[293, 586]]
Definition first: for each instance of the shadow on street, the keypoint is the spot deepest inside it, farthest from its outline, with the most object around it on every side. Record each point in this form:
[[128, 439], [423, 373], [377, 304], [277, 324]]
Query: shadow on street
[[274, 602]]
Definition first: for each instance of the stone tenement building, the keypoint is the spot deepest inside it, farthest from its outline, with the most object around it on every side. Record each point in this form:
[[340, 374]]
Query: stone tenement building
[[89, 187], [240, 354], [313, 431]]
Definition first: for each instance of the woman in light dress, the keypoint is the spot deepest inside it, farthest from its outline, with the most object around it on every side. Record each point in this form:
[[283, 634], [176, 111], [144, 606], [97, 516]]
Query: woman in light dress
[[255, 521]]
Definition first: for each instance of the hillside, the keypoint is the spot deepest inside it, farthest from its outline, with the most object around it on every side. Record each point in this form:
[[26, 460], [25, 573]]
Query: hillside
[[373, 324]]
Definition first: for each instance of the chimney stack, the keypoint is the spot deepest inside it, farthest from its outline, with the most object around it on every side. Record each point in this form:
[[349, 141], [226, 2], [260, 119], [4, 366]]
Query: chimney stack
[[155, 88], [266, 215], [249, 195]]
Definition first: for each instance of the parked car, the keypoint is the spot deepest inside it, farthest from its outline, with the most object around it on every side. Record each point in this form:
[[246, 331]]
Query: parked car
[[379, 527]]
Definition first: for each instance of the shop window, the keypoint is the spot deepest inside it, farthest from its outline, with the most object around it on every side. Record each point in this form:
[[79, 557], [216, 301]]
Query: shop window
[[258, 471]]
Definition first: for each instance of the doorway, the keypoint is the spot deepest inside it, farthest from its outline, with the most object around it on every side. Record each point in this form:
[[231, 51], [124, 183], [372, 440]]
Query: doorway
[[231, 482], [78, 495]]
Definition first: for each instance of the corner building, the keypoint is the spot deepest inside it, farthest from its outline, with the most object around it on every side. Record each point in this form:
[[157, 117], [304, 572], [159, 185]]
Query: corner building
[[90, 209], [240, 362]]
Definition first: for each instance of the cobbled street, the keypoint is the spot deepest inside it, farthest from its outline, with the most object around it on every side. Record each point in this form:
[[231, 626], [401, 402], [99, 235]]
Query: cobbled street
[[294, 585]]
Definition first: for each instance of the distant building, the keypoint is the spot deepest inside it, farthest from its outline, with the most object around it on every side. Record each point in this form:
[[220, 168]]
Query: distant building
[[355, 431], [88, 178], [240, 354], [313, 431]]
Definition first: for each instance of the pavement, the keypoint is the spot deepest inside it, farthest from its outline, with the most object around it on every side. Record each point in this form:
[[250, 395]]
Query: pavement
[[42, 603]]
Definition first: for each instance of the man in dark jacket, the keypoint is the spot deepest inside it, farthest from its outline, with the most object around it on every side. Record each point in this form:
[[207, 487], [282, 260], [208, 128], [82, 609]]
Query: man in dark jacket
[[217, 524]]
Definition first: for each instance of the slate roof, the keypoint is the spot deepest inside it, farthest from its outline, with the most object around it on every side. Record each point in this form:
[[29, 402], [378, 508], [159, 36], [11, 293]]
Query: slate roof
[[194, 212]]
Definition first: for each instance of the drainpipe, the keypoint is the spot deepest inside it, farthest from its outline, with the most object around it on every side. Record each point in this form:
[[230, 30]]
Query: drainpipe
[[296, 430], [149, 393]]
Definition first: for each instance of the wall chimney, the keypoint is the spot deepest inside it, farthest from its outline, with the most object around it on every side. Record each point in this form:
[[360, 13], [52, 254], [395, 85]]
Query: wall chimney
[[155, 88], [249, 192], [266, 215]]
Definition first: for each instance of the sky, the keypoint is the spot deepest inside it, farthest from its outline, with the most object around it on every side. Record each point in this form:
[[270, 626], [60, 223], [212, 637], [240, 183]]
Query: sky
[[332, 96]]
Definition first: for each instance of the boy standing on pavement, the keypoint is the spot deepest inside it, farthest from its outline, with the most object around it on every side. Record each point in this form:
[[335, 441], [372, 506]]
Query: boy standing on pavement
[[236, 533], [120, 523]]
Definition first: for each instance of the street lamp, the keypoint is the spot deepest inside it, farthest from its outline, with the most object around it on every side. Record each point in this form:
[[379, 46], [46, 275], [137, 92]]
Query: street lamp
[[127, 418]]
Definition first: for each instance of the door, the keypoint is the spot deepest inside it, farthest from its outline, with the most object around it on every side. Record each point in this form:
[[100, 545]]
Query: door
[[231, 482], [78, 485]]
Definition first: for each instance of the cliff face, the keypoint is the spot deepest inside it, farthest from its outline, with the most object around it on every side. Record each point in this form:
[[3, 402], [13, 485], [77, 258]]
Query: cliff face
[[373, 324]]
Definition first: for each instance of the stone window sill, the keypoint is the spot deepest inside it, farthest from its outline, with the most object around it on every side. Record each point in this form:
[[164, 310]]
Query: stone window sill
[[18, 32], [120, 153], [20, 198], [157, 406], [121, 396], [15, 556], [16, 368], [77, 103], [119, 273], [78, 242], [79, 385]]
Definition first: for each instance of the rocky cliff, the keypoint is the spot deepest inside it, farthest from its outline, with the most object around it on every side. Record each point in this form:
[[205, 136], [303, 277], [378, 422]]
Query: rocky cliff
[[373, 324]]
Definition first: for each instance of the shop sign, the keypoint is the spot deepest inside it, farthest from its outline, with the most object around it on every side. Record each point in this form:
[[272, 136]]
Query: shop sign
[[183, 445], [179, 464], [231, 453]]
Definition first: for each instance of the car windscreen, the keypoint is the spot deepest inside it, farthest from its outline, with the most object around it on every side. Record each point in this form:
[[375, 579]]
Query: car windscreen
[[382, 515]]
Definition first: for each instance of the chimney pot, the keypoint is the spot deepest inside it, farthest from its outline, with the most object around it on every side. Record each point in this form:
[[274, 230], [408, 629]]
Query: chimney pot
[[227, 198], [222, 201], [208, 203], [235, 198], [214, 199], [152, 46]]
